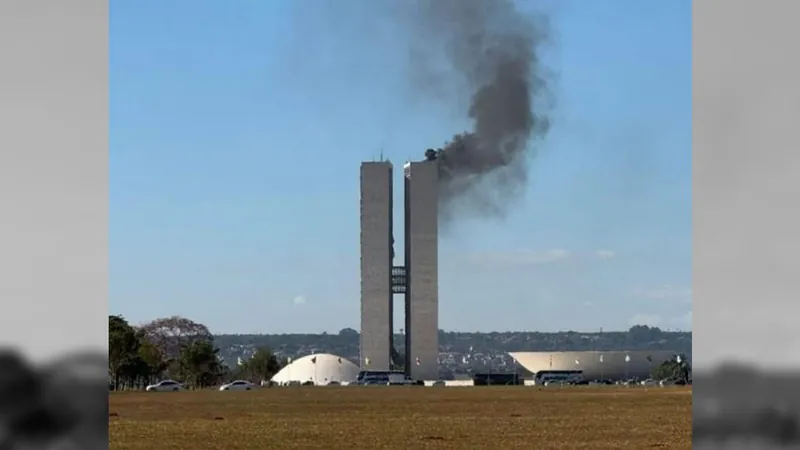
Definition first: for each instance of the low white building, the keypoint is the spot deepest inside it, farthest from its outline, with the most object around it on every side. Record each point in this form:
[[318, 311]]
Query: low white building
[[321, 369], [595, 365]]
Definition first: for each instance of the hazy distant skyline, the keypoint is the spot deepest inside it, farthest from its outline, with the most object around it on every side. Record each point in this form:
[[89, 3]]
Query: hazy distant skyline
[[236, 136]]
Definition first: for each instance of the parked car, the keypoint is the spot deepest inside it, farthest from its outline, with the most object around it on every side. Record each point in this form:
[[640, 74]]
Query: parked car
[[165, 386], [238, 385]]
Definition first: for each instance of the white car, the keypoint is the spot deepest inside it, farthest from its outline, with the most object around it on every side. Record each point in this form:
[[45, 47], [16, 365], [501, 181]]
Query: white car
[[238, 385], [165, 386]]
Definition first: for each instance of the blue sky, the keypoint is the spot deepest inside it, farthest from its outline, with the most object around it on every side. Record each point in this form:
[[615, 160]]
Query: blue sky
[[237, 129]]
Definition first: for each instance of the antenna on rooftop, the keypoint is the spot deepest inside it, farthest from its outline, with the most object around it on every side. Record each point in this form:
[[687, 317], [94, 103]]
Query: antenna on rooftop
[[382, 160]]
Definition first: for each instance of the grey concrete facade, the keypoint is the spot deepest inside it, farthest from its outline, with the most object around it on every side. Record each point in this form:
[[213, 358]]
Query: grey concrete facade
[[376, 265], [422, 261]]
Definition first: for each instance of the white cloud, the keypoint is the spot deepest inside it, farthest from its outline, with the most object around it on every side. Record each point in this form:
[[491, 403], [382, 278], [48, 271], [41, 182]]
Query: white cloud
[[521, 257], [664, 293], [604, 254], [650, 320], [299, 300]]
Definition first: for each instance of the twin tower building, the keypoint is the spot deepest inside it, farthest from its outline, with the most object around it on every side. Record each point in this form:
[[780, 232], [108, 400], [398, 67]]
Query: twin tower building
[[414, 279]]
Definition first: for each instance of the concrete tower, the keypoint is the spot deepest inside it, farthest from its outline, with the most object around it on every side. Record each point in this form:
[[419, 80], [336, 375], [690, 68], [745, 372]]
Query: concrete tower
[[376, 265], [417, 279], [422, 268]]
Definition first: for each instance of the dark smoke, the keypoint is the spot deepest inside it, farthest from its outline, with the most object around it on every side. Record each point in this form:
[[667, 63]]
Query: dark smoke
[[494, 50]]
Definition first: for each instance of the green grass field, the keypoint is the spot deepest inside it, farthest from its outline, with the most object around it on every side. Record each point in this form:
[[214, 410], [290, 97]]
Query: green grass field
[[330, 418]]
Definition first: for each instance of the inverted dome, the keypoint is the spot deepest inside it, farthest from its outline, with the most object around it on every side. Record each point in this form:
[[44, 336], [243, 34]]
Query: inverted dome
[[321, 369], [595, 365]]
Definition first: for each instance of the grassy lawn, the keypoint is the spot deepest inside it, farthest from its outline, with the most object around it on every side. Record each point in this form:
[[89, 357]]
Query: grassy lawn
[[330, 418]]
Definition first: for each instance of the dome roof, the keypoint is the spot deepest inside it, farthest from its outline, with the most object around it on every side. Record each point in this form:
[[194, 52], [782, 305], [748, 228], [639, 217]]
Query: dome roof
[[321, 368]]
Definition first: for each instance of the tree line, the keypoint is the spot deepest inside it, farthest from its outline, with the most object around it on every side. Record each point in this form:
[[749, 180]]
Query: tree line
[[677, 369], [179, 349], [346, 342]]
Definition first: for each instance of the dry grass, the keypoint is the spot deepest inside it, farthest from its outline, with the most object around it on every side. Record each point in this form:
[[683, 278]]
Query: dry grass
[[376, 418]]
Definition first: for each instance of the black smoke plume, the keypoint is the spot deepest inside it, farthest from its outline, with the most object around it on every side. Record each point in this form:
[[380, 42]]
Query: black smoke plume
[[494, 51]]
